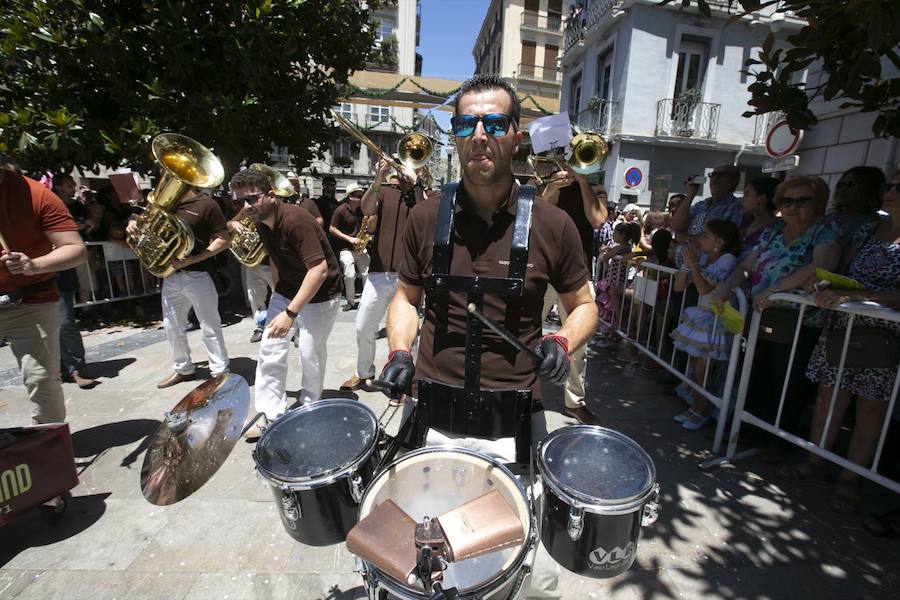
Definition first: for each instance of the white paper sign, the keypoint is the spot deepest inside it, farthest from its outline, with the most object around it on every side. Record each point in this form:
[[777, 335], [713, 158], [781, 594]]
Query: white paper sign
[[550, 132]]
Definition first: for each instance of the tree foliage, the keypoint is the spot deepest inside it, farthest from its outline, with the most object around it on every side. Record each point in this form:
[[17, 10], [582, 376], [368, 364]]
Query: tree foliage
[[851, 40], [90, 82]]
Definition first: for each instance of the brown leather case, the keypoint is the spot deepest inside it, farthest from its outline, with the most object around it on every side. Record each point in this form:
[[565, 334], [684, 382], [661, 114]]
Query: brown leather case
[[485, 524], [386, 539]]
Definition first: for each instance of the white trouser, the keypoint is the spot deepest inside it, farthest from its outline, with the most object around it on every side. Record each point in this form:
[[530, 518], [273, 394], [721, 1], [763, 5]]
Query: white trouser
[[257, 280], [544, 579], [313, 324], [351, 264], [181, 291], [377, 295], [574, 395]]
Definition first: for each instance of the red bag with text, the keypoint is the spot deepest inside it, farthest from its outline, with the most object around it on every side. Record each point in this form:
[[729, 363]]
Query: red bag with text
[[36, 465]]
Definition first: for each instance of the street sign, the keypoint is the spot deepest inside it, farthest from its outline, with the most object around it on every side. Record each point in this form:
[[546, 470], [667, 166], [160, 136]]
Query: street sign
[[782, 139], [781, 164], [633, 177]]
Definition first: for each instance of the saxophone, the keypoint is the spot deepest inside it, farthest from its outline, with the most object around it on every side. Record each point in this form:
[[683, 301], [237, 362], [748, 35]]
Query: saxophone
[[247, 247], [163, 237], [364, 236]]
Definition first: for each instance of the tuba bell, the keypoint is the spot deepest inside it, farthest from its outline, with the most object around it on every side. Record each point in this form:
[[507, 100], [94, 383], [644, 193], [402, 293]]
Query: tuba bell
[[247, 247], [163, 237]]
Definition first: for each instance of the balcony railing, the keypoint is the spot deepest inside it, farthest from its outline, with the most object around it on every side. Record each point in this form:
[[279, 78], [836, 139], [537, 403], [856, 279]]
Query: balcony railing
[[578, 27], [545, 22], [538, 73], [603, 119], [697, 120]]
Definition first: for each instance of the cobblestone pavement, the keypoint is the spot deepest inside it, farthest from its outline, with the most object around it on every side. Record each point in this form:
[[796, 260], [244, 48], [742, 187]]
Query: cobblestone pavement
[[735, 532]]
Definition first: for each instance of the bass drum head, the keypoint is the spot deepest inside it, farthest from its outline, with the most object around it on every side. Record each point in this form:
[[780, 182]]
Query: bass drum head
[[598, 469], [432, 481], [316, 443]]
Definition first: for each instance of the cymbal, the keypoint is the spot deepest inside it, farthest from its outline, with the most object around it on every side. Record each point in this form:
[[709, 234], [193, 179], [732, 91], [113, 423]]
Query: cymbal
[[195, 439]]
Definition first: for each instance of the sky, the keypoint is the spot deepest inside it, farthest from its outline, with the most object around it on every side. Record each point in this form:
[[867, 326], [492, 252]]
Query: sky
[[449, 29]]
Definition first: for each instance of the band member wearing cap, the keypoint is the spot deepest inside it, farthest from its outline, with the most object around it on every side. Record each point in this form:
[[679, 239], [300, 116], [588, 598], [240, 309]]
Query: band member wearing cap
[[390, 206], [306, 296], [191, 285], [485, 243], [344, 229], [38, 237], [585, 204]]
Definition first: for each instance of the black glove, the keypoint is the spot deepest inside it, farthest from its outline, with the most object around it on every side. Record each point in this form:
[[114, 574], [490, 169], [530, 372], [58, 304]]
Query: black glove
[[553, 351], [397, 374]]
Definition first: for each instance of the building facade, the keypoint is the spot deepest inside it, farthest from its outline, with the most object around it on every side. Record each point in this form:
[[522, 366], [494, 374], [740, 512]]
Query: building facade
[[521, 40], [397, 37], [665, 86]]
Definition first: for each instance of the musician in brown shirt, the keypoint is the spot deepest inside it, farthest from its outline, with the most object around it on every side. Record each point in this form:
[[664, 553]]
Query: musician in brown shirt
[[389, 207], [305, 299], [191, 285], [344, 228]]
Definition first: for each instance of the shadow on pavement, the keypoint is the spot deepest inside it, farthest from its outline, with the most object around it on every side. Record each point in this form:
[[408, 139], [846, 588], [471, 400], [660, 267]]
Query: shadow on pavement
[[335, 593], [35, 527], [108, 369]]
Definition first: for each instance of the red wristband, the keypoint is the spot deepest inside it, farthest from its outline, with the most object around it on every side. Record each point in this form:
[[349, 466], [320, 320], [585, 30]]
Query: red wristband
[[563, 342]]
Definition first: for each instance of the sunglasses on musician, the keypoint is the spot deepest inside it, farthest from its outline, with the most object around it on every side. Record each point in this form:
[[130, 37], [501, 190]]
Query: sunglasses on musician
[[495, 124]]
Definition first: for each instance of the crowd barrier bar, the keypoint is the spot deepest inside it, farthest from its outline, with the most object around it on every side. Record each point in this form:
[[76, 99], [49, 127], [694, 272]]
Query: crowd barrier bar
[[854, 309], [723, 401], [113, 253]]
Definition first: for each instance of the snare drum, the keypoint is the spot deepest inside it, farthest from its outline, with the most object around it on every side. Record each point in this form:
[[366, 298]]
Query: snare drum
[[431, 481], [599, 490], [318, 459]]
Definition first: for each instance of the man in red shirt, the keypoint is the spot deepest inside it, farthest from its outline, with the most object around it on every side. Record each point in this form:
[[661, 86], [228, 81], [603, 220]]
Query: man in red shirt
[[38, 237]]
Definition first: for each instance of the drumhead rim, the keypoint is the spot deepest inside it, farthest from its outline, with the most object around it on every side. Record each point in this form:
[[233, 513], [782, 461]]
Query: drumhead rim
[[327, 477], [583, 501], [498, 579]]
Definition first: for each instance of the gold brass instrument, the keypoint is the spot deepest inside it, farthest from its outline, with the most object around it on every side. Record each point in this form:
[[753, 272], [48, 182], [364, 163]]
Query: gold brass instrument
[[163, 237], [364, 236], [247, 247], [414, 148], [585, 154]]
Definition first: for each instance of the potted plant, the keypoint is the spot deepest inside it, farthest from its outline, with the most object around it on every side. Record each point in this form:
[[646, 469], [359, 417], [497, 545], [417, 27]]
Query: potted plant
[[595, 103], [683, 112]]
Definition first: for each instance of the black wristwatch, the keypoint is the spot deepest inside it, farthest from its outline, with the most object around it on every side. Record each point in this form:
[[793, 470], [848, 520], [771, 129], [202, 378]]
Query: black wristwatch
[[290, 313]]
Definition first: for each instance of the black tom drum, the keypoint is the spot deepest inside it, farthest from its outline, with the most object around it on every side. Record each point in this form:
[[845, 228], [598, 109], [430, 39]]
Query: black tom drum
[[599, 490], [318, 460]]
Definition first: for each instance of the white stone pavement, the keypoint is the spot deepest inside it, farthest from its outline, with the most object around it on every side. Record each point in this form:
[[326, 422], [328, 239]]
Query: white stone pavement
[[739, 532]]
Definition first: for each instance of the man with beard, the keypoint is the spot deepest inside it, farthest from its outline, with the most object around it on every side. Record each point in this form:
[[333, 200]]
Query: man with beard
[[487, 243], [305, 299]]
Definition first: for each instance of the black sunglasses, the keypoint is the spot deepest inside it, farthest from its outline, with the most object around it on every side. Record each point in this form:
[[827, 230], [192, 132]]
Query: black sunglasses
[[798, 202], [892, 187], [495, 124]]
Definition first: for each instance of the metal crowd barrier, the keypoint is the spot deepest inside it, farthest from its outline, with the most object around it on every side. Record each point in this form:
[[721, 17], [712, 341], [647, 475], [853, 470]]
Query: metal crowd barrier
[[112, 273], [644, 293], [741, 416]]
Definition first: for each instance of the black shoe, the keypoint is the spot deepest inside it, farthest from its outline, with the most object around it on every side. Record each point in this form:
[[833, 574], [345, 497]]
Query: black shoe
[[348, 307], [257, 335]]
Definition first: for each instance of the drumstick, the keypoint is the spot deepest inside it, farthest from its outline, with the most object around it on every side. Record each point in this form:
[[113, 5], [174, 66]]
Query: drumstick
[[505, 333], [3, 243]]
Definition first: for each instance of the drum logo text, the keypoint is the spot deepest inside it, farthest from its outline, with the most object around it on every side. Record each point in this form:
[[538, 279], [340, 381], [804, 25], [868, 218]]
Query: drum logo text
[[601, 560], [14, 482]]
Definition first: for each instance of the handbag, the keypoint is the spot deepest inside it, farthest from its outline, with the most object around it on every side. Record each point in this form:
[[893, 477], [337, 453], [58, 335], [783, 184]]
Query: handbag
[[868, 348], [778, 324]]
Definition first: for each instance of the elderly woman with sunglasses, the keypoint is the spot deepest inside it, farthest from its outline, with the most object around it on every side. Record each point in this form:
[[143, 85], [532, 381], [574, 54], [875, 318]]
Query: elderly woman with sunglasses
[[785, 256], [872, 259]]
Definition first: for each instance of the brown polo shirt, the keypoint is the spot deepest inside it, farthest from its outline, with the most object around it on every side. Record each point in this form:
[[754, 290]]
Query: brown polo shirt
[[310, 205], [479, 248], [206, 221], [296, 244], [346, 219], [393, 212]]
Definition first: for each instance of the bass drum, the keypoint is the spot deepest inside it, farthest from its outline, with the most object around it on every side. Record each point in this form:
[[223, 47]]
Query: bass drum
[[317, 460], [599, 490], [431, 481]]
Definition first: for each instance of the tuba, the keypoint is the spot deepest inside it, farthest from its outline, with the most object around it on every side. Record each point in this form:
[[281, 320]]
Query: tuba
[[247, 247], [163, 237]]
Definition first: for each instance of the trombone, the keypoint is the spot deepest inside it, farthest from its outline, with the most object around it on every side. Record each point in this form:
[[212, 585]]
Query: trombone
[[585, 154], [414, 150]]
